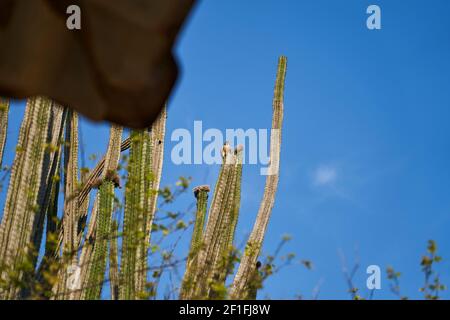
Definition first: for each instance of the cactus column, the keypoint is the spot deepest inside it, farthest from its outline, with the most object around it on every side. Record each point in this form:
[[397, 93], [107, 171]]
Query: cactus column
[[205, 275], [104, 219], [70, 217], [201, 194], [241, 284], [144, 175]]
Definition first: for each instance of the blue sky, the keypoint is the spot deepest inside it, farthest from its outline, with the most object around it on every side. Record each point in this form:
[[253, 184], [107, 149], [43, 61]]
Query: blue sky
[[366, 148]]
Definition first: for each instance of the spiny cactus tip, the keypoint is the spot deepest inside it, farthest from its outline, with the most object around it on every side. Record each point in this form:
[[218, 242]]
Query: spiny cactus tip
[[204, 187]]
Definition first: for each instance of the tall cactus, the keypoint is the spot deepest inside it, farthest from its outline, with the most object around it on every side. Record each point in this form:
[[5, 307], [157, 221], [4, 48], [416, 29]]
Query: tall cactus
[[4, 109], [23, 201], [49, 193], [157, 141], [133, 233], [225, 253], [86, 256], [71, 189], [207, 269], [242, 281], [71, 207], [52, 159], [105, 209], [201, 194], [87, 250], [206, 272], [144, 168]]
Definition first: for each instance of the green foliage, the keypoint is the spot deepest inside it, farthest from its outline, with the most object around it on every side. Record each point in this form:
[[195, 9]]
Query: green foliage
[[432, 285]]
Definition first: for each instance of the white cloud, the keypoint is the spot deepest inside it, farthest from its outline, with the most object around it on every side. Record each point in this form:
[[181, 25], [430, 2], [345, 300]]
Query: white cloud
[[324, 176]]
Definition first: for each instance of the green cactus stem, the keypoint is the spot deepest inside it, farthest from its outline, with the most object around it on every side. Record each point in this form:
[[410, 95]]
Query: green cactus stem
[[153, 180], [104, 219], [214, 231], [144, 175], [201, 194], [134, 211]]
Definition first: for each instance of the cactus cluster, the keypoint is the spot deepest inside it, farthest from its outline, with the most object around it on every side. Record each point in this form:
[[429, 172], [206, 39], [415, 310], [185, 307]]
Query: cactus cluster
[[212, 255], [25, 201], [86, 243]]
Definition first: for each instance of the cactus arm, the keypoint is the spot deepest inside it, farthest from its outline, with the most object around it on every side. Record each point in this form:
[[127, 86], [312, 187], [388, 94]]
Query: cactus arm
[[201, 194], [105, 209], [69, 222], [218, 251], [48, 195], [237, 199], [83, 195], [100, 252], [144, 175], [86, 256], [133, 206], [71, 188], [246, 269], [207, 259], [223, 259], [97, 172], [152, 185]]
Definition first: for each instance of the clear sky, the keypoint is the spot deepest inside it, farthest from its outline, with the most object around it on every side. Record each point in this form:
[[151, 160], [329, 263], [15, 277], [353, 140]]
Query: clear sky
[[366, 140]]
